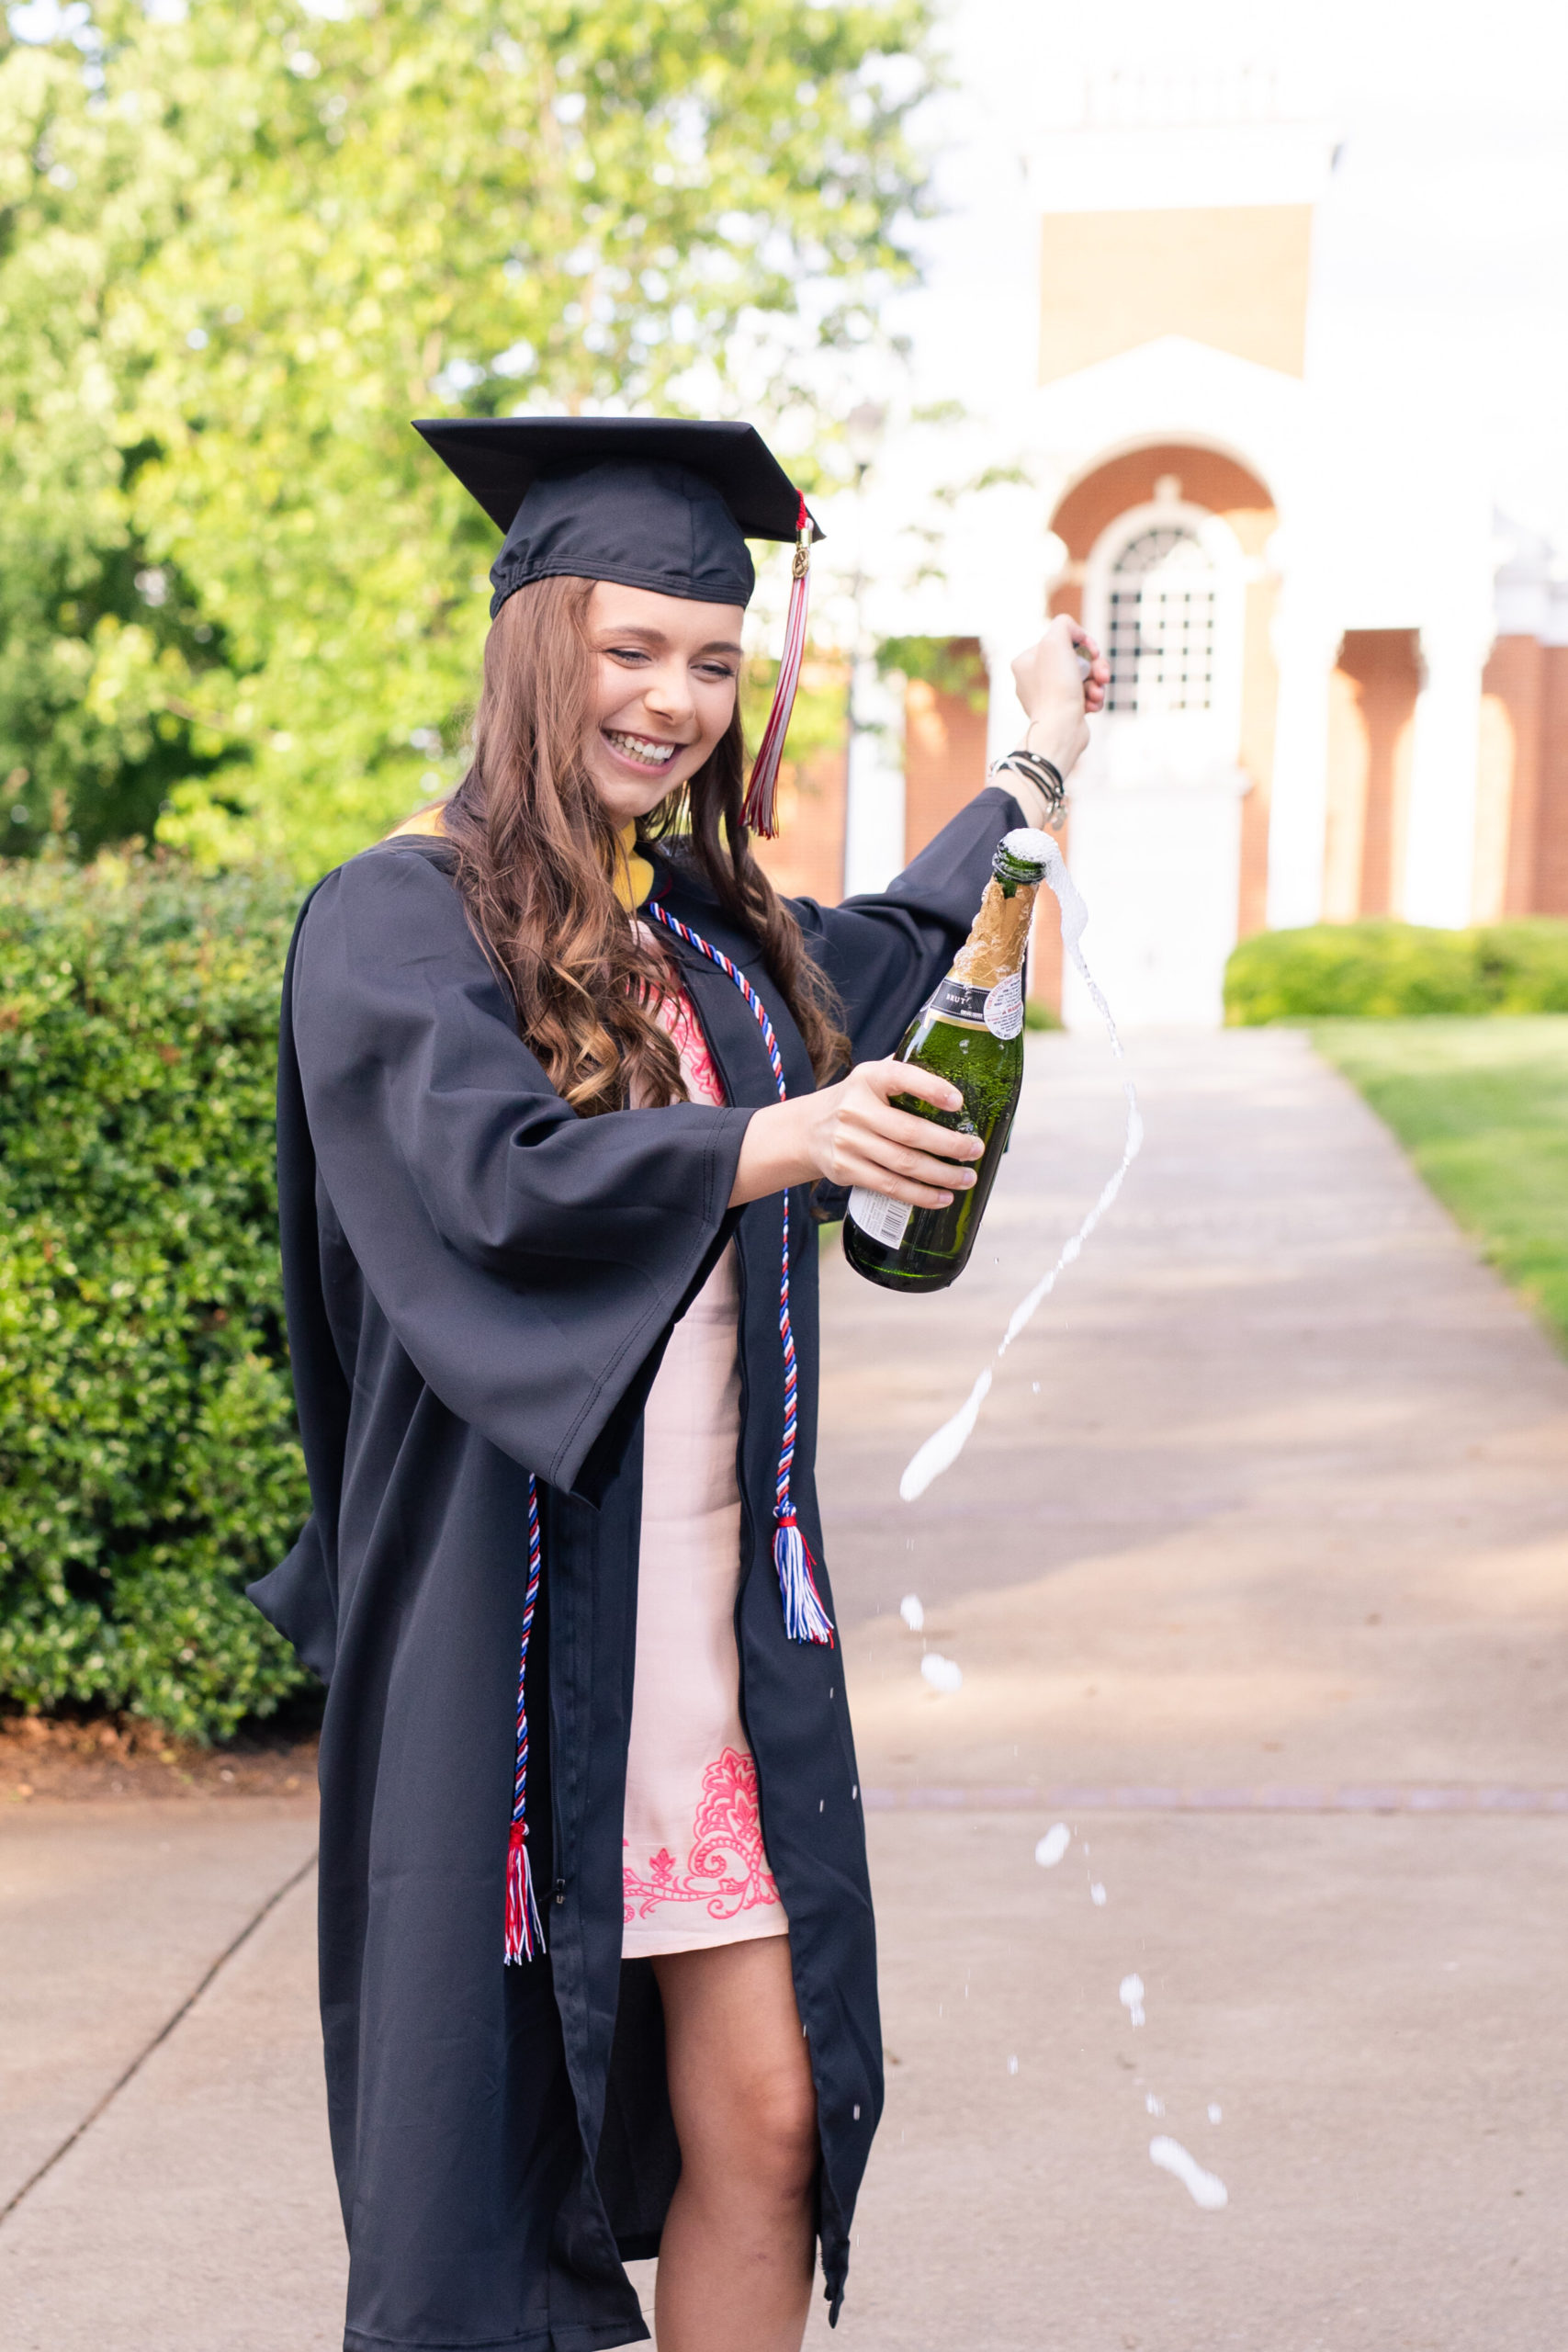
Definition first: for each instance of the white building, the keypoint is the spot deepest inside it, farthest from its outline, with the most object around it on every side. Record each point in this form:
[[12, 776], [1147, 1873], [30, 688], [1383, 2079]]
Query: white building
[[1339, 682]]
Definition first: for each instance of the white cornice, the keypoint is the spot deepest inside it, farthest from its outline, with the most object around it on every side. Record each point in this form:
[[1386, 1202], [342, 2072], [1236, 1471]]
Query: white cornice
[[1150, 167], [1171, 389]]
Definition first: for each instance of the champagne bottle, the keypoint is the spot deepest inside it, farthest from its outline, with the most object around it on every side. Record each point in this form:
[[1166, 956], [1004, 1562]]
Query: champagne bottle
[[970, 1032]]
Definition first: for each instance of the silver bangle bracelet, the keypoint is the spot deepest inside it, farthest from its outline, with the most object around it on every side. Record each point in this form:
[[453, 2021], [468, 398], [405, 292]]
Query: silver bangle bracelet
[[1043, 775]]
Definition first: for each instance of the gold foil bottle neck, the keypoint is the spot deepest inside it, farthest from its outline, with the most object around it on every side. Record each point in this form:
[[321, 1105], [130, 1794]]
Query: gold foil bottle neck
[[999, 937]]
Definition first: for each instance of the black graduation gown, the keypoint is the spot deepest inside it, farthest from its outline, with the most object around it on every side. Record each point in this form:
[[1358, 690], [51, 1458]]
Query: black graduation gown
[[480, 1284]]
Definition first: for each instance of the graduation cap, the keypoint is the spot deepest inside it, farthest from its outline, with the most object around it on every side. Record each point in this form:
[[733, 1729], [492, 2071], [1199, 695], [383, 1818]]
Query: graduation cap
[[654, 502]]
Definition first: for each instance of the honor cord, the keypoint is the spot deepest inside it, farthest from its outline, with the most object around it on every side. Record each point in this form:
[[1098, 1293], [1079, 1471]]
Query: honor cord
[[805, 1619], [524, 1929]]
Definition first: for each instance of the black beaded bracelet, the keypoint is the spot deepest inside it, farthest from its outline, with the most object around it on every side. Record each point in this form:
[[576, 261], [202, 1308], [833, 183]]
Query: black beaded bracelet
[[1046, 777]]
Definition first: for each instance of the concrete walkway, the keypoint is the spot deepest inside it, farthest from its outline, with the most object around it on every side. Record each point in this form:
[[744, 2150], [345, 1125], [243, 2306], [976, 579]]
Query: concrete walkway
[[1286, 1517], [1257, 1570], [197, 2211]]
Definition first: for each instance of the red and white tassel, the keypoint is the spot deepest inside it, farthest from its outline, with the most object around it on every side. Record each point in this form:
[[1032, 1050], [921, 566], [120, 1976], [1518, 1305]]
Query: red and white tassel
[[759, 808], [805, 1620], [524, 1929]]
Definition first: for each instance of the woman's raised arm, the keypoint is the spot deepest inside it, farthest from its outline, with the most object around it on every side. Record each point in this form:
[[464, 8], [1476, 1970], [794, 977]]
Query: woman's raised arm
[[885, 952]]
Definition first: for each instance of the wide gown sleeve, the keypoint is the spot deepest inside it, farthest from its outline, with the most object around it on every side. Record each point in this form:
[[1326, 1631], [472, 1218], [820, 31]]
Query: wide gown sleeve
[[529, 1262], [884, 954]]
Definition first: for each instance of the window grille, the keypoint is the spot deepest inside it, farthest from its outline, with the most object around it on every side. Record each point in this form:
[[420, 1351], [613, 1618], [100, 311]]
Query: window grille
[[1162, 622]]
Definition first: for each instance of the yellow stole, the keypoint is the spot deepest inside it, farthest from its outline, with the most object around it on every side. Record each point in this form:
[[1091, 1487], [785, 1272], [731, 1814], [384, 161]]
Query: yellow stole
[[633, 876]]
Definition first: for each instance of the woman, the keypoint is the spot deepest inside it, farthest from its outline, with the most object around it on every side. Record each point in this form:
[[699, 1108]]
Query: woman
[[556, 1082]]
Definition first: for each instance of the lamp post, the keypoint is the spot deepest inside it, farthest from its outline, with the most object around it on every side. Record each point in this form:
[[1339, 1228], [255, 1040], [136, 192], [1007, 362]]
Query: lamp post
[[873, 815], [863, 435]]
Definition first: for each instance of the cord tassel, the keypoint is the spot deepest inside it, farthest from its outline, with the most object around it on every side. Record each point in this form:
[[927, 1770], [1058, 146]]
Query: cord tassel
[[524, 1938], [525, 1930], [805, 1620], [759, 809]]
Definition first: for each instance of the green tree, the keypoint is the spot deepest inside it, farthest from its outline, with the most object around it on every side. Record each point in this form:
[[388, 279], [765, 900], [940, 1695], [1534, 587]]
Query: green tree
[[78, 215], [241, 251]]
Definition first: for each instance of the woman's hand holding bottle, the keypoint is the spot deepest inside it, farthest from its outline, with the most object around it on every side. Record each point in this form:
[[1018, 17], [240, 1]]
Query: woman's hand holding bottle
[[850, 1133]]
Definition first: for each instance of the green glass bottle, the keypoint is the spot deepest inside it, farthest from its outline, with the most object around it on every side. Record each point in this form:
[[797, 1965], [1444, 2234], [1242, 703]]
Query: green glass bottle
[[970, 1032]]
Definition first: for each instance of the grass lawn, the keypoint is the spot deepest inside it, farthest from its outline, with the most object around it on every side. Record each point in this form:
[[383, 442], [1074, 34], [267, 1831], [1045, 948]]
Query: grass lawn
[[1481, 1107]]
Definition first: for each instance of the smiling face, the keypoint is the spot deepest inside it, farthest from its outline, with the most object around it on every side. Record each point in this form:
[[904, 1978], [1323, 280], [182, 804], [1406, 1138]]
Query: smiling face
[[665, 682]]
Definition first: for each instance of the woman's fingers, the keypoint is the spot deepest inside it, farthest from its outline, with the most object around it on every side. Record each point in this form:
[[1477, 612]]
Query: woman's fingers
[[871, 1110], [899, 1188], [1096, 673], [890, 1168], [905, 1175], [1049, 669], [889, 1078], [891, 1150], [888, 1129]]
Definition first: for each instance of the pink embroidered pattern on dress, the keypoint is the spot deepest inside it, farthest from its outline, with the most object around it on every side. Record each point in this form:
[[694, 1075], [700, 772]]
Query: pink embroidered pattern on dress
[[703, 1081], [727, 1869]]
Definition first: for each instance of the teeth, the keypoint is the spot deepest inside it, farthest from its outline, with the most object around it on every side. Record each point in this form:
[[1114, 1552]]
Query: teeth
[[643, 748]]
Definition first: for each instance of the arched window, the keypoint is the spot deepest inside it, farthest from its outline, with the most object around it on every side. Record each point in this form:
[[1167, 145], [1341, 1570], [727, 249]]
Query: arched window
[[1161, 623]]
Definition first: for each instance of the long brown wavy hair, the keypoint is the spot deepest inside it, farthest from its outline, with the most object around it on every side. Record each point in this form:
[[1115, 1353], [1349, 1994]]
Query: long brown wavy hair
[[536, 852]]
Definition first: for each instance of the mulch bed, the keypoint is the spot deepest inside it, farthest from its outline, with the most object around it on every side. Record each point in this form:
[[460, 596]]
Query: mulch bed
[[106, 1757]]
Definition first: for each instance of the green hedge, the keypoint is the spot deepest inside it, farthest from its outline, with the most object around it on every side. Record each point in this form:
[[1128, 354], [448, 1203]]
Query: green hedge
[[1390, 970], [149, 1462]]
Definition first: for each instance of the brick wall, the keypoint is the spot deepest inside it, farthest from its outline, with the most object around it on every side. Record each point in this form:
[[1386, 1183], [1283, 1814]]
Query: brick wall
[[944, 754], [1371, 719]]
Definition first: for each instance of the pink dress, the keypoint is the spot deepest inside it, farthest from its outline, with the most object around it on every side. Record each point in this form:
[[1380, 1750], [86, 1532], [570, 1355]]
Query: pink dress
[[695, 1870]]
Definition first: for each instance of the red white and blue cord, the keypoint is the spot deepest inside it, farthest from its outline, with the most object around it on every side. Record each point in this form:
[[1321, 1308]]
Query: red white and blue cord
[[805, 1620], [524, 1929]]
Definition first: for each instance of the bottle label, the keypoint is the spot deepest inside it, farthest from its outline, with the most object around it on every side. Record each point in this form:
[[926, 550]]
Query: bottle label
[[958, 1000], [1000, 1010], [882, 1219], [1004, 1006]]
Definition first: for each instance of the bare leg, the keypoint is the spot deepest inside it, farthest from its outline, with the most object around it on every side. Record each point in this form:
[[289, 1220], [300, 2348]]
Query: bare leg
[[735, 2262]]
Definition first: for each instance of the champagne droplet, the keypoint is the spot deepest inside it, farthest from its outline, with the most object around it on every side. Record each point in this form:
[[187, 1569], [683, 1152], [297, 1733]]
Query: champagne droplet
[[941, 1450], [1206, 2189]]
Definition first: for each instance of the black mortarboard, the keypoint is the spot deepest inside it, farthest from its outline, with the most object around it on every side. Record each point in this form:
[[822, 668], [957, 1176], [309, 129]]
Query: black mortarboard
[[655, 502]]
